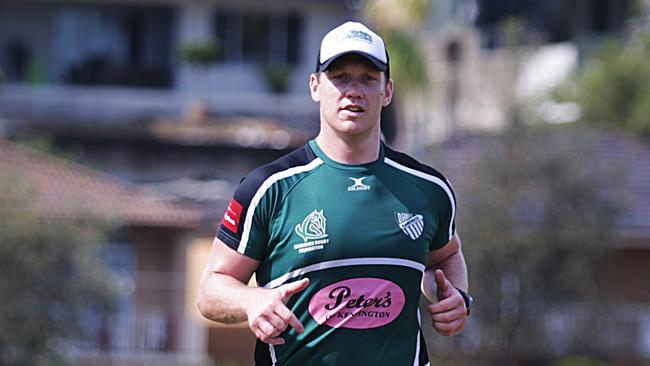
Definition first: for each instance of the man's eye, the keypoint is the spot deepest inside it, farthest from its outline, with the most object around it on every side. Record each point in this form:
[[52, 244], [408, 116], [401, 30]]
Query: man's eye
[[370, 78]]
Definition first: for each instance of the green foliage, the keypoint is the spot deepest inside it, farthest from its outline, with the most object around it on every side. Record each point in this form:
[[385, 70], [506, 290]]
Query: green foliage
[[36, 73], [397, 14], [201, 52], [537, 230], [45, 144], [398, 23], [613, 88], [277, 77], [51, 274], [580, 361], [407, 63], [514, 32]]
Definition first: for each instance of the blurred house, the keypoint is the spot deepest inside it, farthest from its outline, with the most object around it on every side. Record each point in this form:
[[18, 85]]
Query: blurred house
[[108, 62], [483, 65], [119, 85], [149, 251], [111, 80], [101, 77], [573, 327], [486, 57]]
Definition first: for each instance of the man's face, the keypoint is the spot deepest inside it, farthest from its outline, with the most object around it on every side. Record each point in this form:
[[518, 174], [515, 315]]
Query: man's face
[[351, 94]]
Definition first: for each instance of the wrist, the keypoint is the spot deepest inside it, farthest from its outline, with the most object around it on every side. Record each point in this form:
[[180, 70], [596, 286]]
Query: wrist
[[467, 298]]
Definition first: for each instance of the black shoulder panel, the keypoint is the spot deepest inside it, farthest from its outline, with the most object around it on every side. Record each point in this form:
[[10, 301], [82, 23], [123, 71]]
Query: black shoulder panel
[[232, 223]]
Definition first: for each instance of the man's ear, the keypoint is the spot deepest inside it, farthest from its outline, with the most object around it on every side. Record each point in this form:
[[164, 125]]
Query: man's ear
[[314, 85], [388, 93]]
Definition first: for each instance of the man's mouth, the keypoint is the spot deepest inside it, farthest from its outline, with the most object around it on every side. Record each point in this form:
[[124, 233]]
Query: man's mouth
[[353, 109]]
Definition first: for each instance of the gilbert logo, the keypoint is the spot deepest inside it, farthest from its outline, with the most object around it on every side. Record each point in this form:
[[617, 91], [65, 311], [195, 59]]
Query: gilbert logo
[[358, 185], [411, 225], [312, 231]]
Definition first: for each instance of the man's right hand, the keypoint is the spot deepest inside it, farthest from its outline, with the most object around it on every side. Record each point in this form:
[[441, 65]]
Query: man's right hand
[[268, 316]]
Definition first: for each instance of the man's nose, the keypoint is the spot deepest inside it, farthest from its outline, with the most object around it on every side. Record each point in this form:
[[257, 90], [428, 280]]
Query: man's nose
[[353, 89]]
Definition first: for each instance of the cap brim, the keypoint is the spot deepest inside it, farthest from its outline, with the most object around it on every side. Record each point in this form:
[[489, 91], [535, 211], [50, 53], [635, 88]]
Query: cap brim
[[378, 64]]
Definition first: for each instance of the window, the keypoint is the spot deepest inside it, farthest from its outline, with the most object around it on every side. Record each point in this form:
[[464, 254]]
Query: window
[[115, 330], [258, 38], [115, 45]]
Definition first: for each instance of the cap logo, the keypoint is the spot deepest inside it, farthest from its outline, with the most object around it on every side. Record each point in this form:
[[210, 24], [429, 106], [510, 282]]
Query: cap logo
[[359, 35]]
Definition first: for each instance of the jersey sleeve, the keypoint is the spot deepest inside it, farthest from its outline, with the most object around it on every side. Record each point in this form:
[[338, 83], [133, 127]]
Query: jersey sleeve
[[244, 226], [444, 204], [247, 222]]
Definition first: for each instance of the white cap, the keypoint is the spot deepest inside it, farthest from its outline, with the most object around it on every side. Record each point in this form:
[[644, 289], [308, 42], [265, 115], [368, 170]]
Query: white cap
[[352, 37]]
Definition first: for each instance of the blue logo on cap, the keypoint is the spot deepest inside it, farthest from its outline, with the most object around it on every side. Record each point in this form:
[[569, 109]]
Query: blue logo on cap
[[360, 35]]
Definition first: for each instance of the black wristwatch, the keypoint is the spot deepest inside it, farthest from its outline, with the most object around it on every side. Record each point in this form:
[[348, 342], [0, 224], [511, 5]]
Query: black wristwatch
[[467, 298]]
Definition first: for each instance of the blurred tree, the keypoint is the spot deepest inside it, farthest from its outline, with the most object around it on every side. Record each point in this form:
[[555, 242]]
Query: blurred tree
[[580, 361], [399, 23], [537, 226], [613, 87], [537, 230], [50, 272], [201, 52], [404, 15]]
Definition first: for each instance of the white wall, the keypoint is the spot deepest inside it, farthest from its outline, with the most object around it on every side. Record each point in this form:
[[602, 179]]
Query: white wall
[[195, 23]]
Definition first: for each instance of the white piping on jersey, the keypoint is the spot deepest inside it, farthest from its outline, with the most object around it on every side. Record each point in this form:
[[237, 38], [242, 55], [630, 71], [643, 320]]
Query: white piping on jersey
[[444, 185], [344, 263], [416, 361], [260, 193], [274, 358]]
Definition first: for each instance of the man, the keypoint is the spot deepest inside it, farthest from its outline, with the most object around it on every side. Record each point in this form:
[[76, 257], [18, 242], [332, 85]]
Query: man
[[343, 234]]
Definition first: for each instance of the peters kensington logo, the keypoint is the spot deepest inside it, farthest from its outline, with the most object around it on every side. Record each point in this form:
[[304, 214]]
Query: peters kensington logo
[[312, 230], [412, 225], [358, 303], [358, 185]]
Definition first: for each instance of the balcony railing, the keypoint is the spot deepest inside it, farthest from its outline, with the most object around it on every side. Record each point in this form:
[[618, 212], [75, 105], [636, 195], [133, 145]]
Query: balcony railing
[[154, 332]]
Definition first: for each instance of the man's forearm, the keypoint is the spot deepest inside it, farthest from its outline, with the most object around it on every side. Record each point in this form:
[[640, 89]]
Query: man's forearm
[[455, 270], [223, 298]]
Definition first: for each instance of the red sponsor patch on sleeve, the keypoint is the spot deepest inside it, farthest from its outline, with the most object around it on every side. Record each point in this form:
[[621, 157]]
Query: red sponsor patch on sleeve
[[231, 217]]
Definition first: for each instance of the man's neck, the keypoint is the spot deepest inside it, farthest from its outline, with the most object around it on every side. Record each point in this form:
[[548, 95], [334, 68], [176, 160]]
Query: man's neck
[[349, 150]]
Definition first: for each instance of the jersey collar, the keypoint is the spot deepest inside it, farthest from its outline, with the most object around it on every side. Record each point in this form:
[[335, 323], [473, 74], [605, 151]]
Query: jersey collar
[[317, 150]]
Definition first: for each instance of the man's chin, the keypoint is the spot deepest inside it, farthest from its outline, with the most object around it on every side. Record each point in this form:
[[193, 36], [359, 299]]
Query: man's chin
[[353, 128]]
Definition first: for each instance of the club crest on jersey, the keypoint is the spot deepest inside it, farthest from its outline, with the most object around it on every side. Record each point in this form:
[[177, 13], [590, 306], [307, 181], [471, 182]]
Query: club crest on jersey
[[358, 185], [312, 230], [412, 225]]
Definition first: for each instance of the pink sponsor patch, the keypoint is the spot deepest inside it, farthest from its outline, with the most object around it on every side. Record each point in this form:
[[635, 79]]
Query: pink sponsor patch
[[358, 303]]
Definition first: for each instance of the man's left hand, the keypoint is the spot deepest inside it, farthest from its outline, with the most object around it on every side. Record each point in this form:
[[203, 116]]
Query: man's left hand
[[449, 314]]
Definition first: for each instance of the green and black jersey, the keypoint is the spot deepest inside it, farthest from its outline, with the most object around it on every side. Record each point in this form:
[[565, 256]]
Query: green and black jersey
[[361, 234]]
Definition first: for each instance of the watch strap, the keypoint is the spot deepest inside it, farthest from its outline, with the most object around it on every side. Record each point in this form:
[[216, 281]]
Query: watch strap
[[467, 298]]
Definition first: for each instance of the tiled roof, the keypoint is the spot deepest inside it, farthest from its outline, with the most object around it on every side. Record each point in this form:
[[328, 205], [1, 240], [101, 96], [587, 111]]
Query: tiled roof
[[613, 153], [62, 188]]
